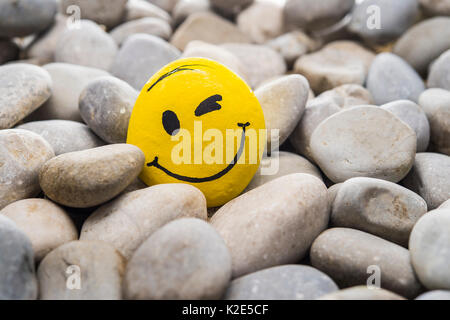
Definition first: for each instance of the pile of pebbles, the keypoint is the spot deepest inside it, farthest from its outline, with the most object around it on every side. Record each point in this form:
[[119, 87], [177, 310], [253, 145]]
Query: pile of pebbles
[[364, 168]]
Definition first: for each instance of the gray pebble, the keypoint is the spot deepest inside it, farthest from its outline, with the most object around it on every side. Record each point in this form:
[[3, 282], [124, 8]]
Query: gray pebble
[[152, 26], [349, 95], [439, 75]]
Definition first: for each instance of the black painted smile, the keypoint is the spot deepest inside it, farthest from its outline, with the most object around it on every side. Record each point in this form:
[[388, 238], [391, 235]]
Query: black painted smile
[[218, 175]]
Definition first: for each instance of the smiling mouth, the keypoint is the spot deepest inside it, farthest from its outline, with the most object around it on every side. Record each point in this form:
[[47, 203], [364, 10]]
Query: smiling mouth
[[218, 175]]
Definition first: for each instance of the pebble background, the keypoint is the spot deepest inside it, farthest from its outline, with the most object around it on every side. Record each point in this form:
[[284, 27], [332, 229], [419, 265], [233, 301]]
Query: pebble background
[[364, 167]]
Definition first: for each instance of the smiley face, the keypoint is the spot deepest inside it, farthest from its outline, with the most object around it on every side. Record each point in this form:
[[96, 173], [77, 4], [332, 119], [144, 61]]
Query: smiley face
[[197, 122]]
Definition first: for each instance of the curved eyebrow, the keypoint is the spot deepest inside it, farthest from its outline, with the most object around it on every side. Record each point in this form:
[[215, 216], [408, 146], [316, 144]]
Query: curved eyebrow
[[208, 105], [178, 69]]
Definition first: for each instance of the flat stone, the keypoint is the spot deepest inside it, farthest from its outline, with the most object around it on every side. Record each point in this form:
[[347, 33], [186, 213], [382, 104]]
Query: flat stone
[[390, 78], [135, 66], [283, 102], [106, 12], [22, 154], [18, 281], [20, 18], [436, 8], [273, 224], [105, 105], [436, 104], [430, 178], [207, 27], [414, 116], [379, 207], [46, 225], [152, 26], [185, 8], [338, 63], [96, 266], [23, 89], [74, 43], [137, 9], [287, 282], [345, 255], [134, 216], [349, 95], [68, 82], [9, 51], [64, 135], [364, 141], [91, 177], [261, 62], [362, 293], [184, 251], [429, 245], [438, 76], [421, 44], [435, 295]]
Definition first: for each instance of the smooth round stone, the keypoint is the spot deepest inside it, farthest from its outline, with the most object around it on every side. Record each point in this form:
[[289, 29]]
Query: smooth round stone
[[349, 95], [107, 12], [68, 82], [445, 205], [136, 215], [105, 105], [362, 293], [436, 8], [395, 18], [316, 111], [23, 89], [9, 51], [287, 282], [422, 44], [283, 102], [345, 255], [379, 207], [166, 5], [75, 43], [22, 154], [429, 245], [184, 8], [283, 163], [313, 14], [202, 49], [390, 78], [97, 266], [135, 66], [430, 178], [137, 9], [18, 280], [292, 45], [364, 141], [230, 7], [261, 62], [261, 21], [19, 18], [436, 104], [273, 224], [45, 224], [439, 75], [207, 27], [91, 177], [64, 135], [413, 115], [184, 251], [338, 63], [435, 295], [152, 26]]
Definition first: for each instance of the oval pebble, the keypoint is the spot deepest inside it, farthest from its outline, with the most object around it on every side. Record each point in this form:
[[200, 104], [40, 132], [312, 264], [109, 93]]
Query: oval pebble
[[98, 266], [22, 154], [47, 225], [91, 177], [105, 105], [137, 9], [152, 26], [185, 259], [429, 245], [345, 255], [274, 223], [382, 208], [286, 282], [439, 75], [349, 95], [364, 141], [362, 293], [23, 89], [136, 215]]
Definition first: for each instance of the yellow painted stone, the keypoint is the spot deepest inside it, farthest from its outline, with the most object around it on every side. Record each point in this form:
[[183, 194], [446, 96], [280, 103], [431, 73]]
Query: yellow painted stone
[[192, 120]]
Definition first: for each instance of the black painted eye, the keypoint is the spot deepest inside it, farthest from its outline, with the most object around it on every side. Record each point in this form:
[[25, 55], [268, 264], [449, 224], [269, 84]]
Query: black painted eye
[[170, 122], [208, 105]]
